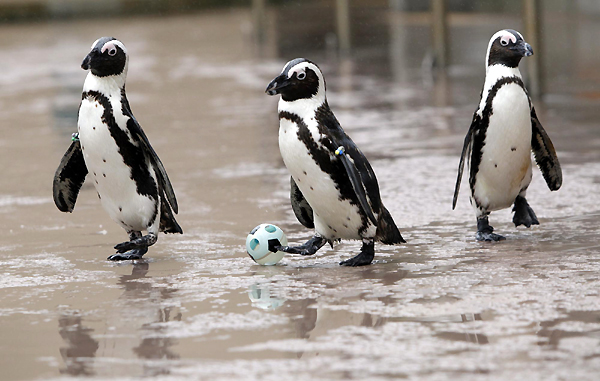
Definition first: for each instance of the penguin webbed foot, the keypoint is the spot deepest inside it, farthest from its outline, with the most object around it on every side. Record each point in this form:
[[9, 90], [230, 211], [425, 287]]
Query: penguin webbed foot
[[524, 215], [129, 255], [489, 237], [135, 248], [485, 231], [310, 247], [365, 257], [139, 242]]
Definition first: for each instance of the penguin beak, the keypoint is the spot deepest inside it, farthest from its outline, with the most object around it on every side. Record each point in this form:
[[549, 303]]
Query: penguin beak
[[85, 65], [277, 84], [91, 59], [525, 49]]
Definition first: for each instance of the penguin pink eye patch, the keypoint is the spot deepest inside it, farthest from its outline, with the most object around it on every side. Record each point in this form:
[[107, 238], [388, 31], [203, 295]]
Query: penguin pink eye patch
[[298, 73], [506, 38], [110, 46]]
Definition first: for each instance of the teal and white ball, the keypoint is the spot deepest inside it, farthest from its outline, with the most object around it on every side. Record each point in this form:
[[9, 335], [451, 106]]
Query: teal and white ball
[[261, 239]]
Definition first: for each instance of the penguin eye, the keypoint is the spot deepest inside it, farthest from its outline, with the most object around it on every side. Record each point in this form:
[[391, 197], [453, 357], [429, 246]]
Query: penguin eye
[[504, 41], [112, 52], [301, 75]]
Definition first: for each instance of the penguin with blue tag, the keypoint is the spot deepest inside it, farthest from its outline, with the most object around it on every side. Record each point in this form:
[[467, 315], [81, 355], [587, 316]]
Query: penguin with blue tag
[[111, 146], [504, 132], [333, 187]]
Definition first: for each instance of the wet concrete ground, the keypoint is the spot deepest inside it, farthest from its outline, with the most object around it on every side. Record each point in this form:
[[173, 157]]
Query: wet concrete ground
[[443, 306]]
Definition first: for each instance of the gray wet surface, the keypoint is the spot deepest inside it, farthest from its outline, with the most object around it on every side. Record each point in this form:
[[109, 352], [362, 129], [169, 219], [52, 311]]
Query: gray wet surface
[[441, 306]]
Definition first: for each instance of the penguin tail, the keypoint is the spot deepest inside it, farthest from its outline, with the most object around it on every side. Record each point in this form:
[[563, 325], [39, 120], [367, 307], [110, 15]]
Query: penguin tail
[[387, 231], [168, 224]]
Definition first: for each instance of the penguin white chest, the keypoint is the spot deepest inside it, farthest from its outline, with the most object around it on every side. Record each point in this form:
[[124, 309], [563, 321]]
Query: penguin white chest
[[334, 217], [112, 177], [505, 167]]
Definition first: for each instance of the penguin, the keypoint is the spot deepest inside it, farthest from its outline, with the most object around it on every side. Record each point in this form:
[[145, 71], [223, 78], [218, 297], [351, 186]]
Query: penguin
[[333, 187], [504, 131], [130, 179]]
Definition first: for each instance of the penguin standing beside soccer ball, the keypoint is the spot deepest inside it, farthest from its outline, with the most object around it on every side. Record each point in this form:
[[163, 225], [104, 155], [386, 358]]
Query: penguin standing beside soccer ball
[[504, 131], [130, 179], [333, 187]]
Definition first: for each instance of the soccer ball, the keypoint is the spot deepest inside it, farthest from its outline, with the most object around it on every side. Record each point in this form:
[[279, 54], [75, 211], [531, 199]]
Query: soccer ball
[[260, 243]]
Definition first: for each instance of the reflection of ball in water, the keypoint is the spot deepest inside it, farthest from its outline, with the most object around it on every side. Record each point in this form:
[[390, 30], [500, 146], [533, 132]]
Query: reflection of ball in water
[[260, 296], [261, 242]]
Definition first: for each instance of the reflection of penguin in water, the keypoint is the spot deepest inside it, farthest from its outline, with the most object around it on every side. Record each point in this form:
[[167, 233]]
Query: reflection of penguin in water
[[145, 308], [334, 188], [131, 182], [80, 347], [504, 131]]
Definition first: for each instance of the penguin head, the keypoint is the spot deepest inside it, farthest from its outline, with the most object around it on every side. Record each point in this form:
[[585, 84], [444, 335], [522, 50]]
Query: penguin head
[[299, 79], [507, 47], [107, 57]]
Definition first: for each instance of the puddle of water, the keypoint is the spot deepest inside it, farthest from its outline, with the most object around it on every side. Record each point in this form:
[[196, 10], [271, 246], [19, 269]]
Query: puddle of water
[[442, 306]]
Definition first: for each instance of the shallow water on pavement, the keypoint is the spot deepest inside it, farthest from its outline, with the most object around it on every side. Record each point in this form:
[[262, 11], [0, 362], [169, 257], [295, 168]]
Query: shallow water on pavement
[[443, 306]]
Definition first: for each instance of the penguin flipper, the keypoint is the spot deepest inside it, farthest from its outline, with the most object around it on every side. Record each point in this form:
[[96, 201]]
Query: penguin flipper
[[136, 130], [465, 152], [364, 183], [359, 171], [69, 178], [357, 185], [301, 208], [545, 154]]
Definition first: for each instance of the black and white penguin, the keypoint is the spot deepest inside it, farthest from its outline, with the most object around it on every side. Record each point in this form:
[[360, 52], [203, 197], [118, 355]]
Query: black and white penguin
[[333, 187], [130, 179], [503, 133]]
